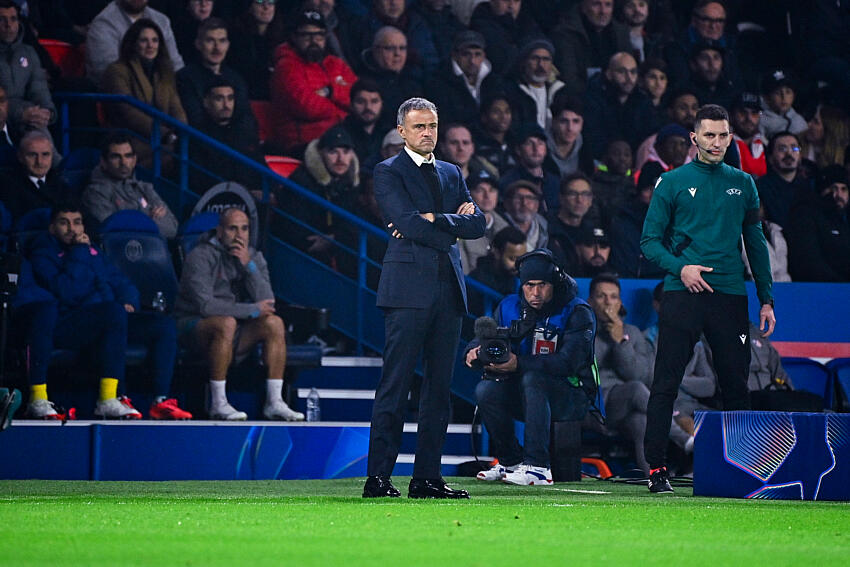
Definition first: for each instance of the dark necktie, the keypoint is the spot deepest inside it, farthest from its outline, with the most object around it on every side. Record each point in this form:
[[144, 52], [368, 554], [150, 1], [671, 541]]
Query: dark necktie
[[433, 181], [40, 185]]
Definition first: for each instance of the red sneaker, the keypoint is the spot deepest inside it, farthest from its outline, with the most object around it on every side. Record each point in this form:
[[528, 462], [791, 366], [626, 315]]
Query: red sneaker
[[167, 409]]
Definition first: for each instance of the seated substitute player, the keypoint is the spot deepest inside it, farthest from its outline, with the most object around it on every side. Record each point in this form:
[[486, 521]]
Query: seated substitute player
[[226, 306], [549, 375], [99, 308]]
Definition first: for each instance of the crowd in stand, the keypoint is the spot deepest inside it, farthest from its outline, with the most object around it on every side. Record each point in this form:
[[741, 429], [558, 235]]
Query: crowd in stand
[[560, 114]]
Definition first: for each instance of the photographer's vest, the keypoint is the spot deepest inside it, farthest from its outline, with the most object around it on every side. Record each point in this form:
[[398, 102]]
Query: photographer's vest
[[545, 330]]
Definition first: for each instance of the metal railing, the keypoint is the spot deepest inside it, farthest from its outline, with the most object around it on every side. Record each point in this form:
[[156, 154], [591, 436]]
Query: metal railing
[[270, 180]]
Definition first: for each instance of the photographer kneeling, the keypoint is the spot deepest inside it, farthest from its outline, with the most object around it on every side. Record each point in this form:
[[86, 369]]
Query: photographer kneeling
[[545, 375]]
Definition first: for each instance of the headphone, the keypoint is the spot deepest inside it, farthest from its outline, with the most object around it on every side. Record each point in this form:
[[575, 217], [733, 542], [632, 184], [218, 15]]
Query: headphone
[[560, 275]]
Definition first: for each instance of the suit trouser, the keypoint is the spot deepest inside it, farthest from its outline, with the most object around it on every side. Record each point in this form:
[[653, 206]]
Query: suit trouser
[[434, 332], [683, 316]]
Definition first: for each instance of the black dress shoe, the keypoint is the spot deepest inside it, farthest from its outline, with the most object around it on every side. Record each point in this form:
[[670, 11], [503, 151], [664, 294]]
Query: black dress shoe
[[380, 487], [433, 488]]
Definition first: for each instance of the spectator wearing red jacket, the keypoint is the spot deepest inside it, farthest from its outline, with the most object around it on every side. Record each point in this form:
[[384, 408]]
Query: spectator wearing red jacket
[[310, 90]]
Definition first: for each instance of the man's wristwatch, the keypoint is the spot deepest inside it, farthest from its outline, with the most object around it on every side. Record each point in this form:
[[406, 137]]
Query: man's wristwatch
[[770, 302]]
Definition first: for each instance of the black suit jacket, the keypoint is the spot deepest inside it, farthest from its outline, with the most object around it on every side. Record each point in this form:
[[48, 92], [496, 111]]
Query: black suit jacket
[[411, 264], [20, 195]]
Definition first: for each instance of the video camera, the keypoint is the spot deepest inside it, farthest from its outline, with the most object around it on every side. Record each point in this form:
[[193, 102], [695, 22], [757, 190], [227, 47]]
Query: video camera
[[496, 341]]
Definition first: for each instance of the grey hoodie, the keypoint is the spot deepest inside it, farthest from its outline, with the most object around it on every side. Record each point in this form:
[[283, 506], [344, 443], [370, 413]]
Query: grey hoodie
[[207, 284], [105, 195]]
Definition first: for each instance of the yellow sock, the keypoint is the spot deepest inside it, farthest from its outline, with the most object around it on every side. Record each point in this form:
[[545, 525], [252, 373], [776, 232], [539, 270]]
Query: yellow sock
[[108, 389], [38, 392]]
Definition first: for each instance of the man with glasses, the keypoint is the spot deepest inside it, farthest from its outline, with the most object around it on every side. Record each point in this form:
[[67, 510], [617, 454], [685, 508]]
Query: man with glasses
[[783, 184], [386, 63], [361, 31], [576, 197], [693, 230], [708, 23], [310, 90]]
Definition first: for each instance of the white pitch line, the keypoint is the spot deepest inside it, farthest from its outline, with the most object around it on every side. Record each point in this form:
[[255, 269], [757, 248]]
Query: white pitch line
[[581, 491]]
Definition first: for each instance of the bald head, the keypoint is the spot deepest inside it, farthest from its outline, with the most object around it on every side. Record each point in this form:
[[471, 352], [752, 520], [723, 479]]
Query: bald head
[[622, 72], [234, 229]]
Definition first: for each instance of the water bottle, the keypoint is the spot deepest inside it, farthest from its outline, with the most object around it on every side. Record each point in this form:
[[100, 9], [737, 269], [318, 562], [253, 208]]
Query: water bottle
[[158, 302], [314, 410]]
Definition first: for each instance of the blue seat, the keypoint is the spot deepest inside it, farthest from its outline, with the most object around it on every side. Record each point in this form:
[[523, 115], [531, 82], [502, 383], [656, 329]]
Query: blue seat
[[30, 226], [840, 369], [193, 228], [5, 225], [811, 376], [128, 221], [132, 241], [81, 158], [76, 180]]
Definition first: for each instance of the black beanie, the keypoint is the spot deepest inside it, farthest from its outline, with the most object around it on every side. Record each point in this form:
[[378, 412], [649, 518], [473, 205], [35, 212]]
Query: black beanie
[[537, 267]]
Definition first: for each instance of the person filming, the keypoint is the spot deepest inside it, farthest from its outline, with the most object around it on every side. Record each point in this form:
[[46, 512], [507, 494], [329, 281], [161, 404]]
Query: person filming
[[548, 374]]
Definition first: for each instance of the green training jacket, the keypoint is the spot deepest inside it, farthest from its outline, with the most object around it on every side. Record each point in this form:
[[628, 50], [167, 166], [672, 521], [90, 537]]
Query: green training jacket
[[697, 215]]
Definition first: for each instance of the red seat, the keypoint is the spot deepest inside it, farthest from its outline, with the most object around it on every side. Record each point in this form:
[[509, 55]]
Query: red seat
[[282, 165], [71, 59], [262, 110]]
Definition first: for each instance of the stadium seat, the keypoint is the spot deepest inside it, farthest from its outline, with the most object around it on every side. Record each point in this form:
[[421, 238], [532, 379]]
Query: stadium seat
[[29, 226], [5, 225], [192, 230], [262, 112], [282, 165], [132, 241], [76, 180], [71, 59], [811, 376], [82, 158], [840, 370], [128, 221], [229, 194]]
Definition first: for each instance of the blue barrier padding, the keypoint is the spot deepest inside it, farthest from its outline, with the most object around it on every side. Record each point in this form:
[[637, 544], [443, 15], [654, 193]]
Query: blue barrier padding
[[772, 455], [187, 451]]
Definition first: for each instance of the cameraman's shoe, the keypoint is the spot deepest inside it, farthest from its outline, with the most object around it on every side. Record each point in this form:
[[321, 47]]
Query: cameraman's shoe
[[659, 481], [528, 475], [496, 472]]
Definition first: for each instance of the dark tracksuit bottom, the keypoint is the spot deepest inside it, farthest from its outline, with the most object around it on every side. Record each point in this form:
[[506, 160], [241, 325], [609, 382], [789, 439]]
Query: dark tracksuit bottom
[[107, 327], [725, 321]]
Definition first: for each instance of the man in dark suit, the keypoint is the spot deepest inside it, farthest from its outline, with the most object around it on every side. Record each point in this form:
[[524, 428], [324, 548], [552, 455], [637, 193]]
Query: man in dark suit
[[427, 207], [32, 183]]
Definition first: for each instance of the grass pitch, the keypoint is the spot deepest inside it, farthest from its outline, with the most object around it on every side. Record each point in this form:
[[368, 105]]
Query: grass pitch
[[307, 523]]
